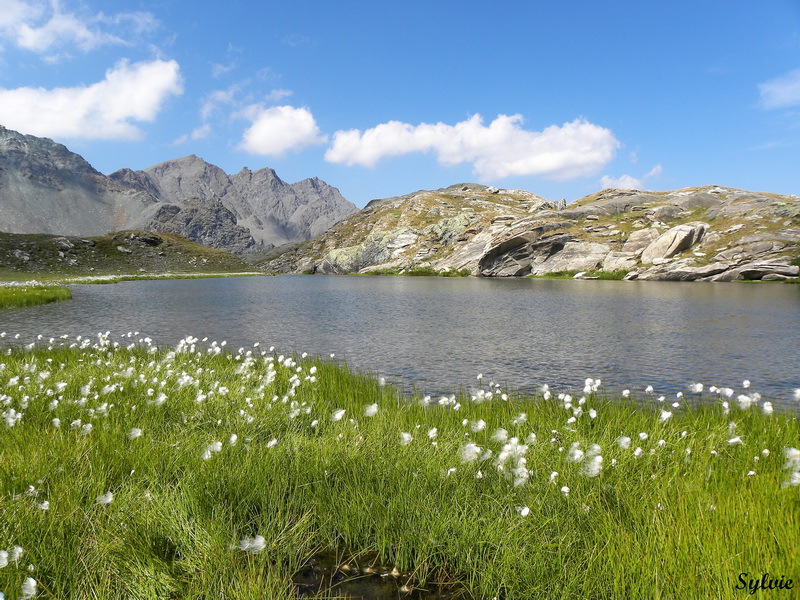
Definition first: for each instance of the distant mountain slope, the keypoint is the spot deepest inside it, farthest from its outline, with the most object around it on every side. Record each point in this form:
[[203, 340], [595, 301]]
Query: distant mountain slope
[[273, 211], [705, 233], [45, 188]]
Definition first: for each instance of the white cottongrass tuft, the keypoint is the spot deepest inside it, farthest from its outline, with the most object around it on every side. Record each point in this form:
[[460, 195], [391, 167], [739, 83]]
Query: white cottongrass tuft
[[735, 441], [337, 415], [433, 432], [211, 449], [524, 511], [478, 425], [797, 394], [575, 453], [565, 490], [134, 433], [470, 452], [767, 408], [696, 388], [665, 416], [105, 499], [624, 442], [746, 383], [638, 452], [371, 410], [233, 439], [3, 559], [29, 588], [252, 545], [16, 554], [593, 466], [500, 435], [648, 389], [405, 438]]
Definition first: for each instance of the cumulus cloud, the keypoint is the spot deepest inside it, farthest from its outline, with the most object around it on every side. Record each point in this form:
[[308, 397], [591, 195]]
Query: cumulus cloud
[[627, 182], [501, 149], [279, 129], [103, 110], [781, 92], [41, 27]]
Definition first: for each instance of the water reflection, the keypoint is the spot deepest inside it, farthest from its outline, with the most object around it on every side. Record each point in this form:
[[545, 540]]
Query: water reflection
[[437, 334]]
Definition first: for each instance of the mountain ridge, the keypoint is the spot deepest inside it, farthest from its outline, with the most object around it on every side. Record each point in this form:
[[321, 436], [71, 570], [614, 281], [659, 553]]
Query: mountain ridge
[[46, 188]]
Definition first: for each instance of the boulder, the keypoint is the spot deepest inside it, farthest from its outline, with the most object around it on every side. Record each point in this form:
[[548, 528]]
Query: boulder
[[575, 256], [758, 270], [619, 261], [640, 239], [675, 240], [681, 270]]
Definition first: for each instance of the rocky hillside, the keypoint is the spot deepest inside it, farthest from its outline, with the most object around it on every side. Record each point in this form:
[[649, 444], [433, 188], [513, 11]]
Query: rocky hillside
[[704, 233], [121, 253], [45, 188]]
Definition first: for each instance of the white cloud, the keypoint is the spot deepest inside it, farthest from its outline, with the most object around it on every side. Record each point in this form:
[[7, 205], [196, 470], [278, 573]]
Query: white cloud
[[41, 27], [781, 92], [278, 129], [501, 149], [278, 95], [103, 110], [627, 182]]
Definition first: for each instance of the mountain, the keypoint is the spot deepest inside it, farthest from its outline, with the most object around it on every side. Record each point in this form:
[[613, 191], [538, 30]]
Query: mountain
[[273, 211], [703, 233], [45, 188]]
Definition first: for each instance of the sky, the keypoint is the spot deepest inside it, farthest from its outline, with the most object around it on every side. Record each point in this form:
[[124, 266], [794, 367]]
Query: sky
[[385, 98]]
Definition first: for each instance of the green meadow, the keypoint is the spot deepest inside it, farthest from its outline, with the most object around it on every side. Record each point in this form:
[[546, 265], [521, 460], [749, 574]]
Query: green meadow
[[131, 471]]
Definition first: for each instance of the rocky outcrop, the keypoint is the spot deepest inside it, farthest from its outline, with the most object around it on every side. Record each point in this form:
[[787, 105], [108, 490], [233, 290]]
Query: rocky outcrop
[[685, 235]]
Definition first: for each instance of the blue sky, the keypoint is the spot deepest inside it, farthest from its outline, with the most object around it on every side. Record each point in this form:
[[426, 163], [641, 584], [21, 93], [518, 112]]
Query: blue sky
[[385, 98]]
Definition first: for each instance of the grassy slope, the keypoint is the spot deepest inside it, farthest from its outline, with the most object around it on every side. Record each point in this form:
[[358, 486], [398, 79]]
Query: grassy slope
[[23, 256], [681, 521]]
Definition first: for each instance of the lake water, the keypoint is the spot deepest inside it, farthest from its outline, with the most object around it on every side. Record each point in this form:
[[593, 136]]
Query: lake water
[[438, 334]]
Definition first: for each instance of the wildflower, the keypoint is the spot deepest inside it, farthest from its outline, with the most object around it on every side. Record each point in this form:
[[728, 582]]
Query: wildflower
[[744, 401], [665, 416], [531, 439], [500, 435], [3, 559], [405, 438], [696, 388], [797, 394], [648, 389], [643, 436], [746, 383], [56, 422], [626, 393], [43, 505], [593, 466], [735, 441], [29, 588], [214, 447], [450, 471], [765, 452], [767, 409], [338, 414], [86, 429], [105, 499], [16, 553], [433, 432], [233, 439], [274, 442], [478, 425], [524, 511], [575, 454], [751, 473], [470, 452], [371, 410], [553, 476], [624, 442], [565, 490], [638, 452], [252, 545], [592, 413], [792, 458]]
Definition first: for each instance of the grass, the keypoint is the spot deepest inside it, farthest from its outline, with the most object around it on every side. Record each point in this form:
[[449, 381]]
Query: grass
[[418, 271], [678, 513], [594, 274], [32, 295]]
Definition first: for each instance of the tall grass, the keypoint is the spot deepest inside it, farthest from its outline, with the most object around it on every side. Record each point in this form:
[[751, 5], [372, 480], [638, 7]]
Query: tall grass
[[325, 460], [32, 295]]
